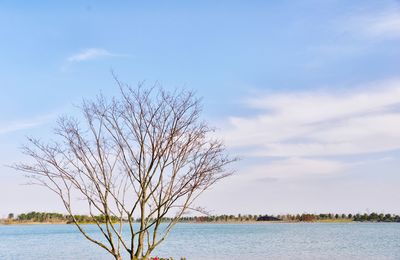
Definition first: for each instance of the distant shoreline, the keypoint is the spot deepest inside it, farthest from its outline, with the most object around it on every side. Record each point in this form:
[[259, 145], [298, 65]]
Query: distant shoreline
[[46, 218], [16, 223]]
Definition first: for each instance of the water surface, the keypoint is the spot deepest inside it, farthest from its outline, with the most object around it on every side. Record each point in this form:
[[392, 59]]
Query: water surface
[[218, 241]]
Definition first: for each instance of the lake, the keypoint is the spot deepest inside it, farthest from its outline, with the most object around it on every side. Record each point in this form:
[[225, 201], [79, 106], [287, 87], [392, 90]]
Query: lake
[[218, 241]]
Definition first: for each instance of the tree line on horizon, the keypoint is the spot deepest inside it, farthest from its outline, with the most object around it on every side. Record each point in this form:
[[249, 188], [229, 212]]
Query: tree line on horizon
[[49, 217], [46, 217], [372, 217]]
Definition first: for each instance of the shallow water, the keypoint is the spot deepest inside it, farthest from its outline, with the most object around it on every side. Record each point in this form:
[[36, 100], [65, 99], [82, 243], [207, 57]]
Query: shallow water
[[218, 241]]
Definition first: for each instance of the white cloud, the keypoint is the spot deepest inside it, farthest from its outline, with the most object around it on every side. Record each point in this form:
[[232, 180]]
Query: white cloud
[[295, 167], [89, 54], [320, 123]]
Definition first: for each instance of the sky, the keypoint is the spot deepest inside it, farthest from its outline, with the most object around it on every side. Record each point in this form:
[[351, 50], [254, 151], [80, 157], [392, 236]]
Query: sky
[[306, 93]]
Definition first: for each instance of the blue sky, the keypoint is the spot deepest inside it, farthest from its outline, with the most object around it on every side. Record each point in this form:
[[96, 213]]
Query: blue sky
[[307, 93]]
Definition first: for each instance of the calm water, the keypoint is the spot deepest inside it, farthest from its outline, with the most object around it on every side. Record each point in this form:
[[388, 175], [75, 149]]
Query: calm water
[[219, 241]]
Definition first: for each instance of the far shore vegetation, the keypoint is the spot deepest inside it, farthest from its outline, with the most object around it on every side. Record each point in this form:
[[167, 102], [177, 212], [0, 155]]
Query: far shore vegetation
[[58, 218]]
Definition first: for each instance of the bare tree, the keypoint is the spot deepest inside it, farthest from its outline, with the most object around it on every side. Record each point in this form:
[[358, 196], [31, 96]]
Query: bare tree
[[145, 155]]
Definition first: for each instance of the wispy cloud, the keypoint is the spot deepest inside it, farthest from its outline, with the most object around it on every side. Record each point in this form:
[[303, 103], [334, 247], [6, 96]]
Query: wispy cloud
[[90, 54], [387, 24], [13, 126], [296, 167], [380, 24], [355, 35]]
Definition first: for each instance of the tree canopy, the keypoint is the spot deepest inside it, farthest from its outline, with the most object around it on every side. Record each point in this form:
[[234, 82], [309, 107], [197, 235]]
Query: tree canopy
[[144, 154]]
